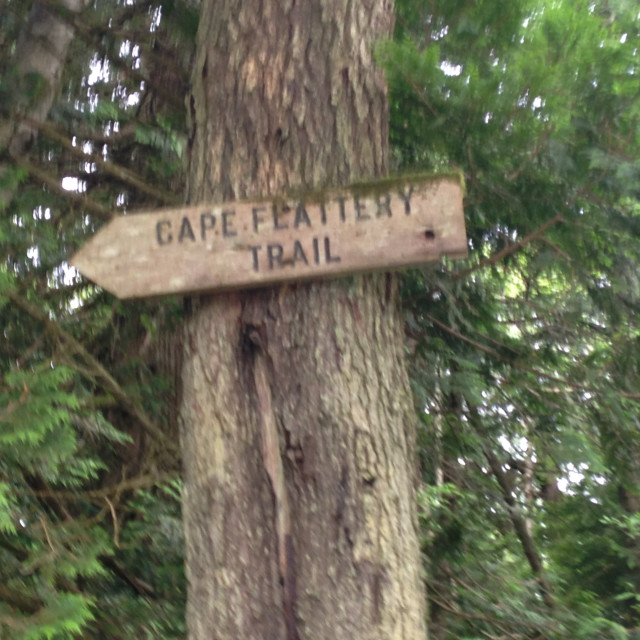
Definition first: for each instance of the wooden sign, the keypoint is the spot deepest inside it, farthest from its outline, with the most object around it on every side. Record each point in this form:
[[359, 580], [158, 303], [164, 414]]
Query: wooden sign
[[381, 225]]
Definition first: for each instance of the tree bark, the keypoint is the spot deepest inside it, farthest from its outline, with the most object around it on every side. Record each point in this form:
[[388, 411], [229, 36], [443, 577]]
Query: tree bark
[[39, 57], [41, 51], [296, 417]]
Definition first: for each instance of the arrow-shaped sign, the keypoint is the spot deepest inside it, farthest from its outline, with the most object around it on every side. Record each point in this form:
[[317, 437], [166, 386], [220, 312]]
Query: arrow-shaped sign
[[378, 226]]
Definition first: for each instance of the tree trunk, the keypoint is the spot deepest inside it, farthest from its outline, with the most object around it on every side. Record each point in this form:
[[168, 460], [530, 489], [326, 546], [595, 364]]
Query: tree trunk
[[41, 50], [38, 59], [296, 418]]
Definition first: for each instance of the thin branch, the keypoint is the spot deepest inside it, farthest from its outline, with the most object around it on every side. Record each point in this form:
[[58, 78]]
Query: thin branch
[[53, 184], [499, 255], [572, 386], [535, 152], [557, 249], [43, 522], [498, 622], [463, 614], [96, 35], [132, 484], [420, 94], [140, 586], [127, 132], [116, 526], [456, 334], [124, 175], [36, 345], [517, 520]]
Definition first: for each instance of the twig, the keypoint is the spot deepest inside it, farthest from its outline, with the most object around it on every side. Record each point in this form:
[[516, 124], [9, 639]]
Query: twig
[[140, 586], [96, 35], [535, 152], [18, 600], [46, 533], [520, 527], [500, 623], [116, 528], [557, 249]]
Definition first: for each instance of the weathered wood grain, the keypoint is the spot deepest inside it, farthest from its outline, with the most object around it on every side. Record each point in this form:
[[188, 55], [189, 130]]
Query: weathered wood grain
[[381, 226]]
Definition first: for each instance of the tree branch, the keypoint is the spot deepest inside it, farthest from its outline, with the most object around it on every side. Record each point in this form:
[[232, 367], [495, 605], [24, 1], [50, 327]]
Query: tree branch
[[499, 255], [96, 34], [572, 386], [53, 184], [124, 175], [517, 520], [132, 484], [520, 527]]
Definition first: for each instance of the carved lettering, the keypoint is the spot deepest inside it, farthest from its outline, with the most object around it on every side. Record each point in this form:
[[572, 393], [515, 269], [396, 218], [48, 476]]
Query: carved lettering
[[206, 247], [406, 197], [274, 255], [160, 233], [360, 208], [384, 208], [207, 221], [343, 214], [301, 216], [256, 218], [254, 248], [323, 213], [277, 225], [227, 231], [298, 253], [186, 231], [327, 252]]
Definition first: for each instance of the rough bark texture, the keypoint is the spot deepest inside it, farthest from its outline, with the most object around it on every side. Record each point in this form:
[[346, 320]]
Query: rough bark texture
[[297, 422]]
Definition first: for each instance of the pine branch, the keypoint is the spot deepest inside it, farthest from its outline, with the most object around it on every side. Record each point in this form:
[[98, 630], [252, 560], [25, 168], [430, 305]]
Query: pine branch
[[140, 586], [95, 370], [126, 133], [97, 34], [538, 147], [502, 624]]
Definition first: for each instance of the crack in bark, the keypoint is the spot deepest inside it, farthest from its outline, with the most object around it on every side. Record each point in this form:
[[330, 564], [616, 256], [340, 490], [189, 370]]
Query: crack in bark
[[275, 470]]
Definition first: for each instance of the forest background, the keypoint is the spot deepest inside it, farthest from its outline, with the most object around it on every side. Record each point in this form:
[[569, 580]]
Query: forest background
[[525, 358]]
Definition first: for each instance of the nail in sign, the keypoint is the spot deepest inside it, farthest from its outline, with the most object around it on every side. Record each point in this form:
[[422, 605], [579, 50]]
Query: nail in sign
[[379, 226]]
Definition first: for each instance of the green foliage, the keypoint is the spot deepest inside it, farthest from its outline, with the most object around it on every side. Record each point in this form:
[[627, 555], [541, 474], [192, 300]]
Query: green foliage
[[41, 449], [525, 365], [524, 359], [90, 524]]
